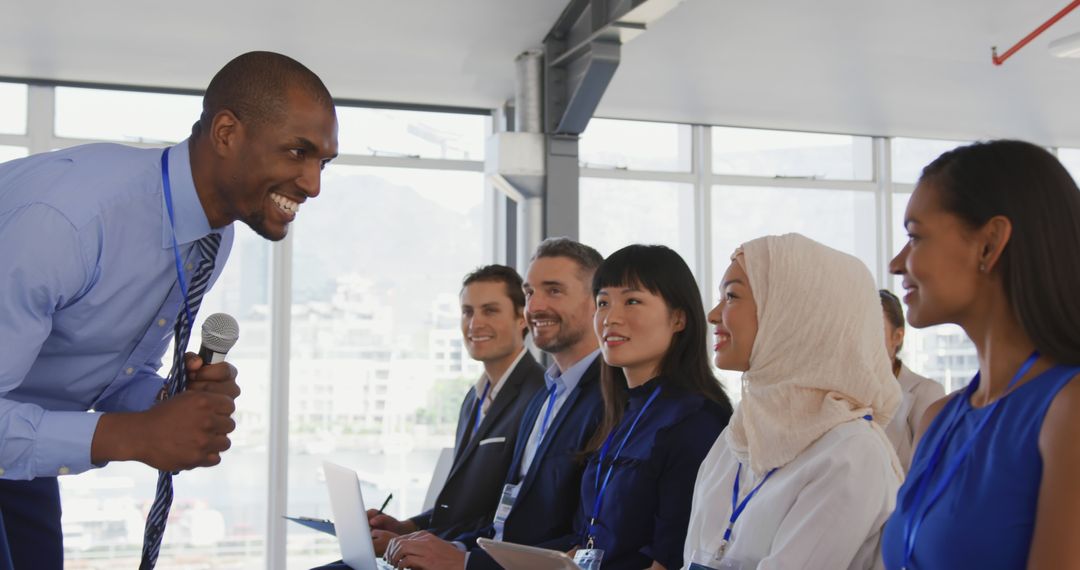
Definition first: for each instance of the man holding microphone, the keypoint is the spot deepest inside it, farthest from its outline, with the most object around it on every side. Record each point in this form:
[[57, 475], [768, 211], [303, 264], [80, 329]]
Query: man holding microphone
[[107, 253]]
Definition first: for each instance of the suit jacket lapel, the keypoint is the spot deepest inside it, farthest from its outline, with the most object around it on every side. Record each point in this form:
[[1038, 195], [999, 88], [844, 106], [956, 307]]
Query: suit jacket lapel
[[591, 375], [465, 419], [507, 395]]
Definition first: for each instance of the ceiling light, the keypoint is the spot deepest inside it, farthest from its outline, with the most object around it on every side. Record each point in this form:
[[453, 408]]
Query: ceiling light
[[1068, 46]]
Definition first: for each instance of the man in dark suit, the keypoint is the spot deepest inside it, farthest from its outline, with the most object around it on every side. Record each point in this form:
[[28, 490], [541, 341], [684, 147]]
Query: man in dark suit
[[542, 490], [494, 329]]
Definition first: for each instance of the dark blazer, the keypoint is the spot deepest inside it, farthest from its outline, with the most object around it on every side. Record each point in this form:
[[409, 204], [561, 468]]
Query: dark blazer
[[471, 494], [550, 493]]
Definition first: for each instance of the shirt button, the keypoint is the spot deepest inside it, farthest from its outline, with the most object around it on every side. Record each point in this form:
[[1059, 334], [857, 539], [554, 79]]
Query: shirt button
[[161, 322], [130, 371], [1, 471], [189, 267], [63, 470]]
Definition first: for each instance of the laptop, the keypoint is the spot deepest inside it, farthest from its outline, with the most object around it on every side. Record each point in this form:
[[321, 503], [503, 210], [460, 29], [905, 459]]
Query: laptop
[[351, 524]]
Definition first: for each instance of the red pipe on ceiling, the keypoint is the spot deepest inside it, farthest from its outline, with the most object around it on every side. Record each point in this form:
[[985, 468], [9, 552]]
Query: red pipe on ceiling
[[1000, 60]]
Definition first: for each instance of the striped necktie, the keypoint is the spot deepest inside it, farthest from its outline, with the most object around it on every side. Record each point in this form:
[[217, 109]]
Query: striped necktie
[[176, 382]]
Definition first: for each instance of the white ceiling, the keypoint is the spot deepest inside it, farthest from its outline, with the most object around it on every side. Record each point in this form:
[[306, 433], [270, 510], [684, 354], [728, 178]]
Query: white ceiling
[[916, 68]]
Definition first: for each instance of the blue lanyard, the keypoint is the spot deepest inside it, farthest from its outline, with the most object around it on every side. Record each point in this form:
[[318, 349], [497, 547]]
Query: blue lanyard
[[737, 508], [914, 520], [600, 465], [547, 413], [172, 228], [479, 407]]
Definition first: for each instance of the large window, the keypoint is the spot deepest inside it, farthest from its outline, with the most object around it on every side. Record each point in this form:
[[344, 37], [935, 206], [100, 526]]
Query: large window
[[411, 134], [125, 116], [13, 108], [787, 154], [635, 145], [910, 156], [378, 368], [1070, 157], [841, 219], [8, 152], [622, 212]]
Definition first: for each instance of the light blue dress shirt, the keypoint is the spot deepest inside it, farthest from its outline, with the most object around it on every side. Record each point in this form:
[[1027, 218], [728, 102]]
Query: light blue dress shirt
[[565, 382], [88, 294]]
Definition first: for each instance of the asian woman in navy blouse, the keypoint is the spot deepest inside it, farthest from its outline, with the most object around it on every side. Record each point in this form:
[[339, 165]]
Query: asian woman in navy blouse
[[664, 408]]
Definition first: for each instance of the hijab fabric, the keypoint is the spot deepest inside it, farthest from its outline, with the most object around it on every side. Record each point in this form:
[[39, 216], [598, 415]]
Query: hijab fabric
[[819, 357]]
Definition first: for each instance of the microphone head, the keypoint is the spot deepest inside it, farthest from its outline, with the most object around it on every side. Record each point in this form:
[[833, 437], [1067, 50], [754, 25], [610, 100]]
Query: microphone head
[[219, 333]]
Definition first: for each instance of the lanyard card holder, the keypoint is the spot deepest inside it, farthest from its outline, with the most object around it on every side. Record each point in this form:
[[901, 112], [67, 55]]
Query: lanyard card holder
[[506, 503], [705, 560], [589, 558]]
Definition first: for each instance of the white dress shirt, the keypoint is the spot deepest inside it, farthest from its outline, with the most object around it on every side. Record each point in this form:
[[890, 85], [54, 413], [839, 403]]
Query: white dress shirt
[[823, 510], [918, 394], [494, 390]]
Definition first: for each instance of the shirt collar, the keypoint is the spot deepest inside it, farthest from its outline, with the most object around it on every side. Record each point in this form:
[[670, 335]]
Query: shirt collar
[[502, 381], [569, 379], [190, 219]]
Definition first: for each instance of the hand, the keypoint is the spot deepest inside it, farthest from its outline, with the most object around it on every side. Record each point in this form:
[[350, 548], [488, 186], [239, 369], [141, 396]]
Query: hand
[[219, 378], [424, 551], [186, 431], [380, 539], [380, 521]]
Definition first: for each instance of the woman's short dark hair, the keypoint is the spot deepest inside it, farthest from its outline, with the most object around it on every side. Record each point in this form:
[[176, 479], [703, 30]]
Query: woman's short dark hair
[[1026, 184], [894, 314], [661, 271]]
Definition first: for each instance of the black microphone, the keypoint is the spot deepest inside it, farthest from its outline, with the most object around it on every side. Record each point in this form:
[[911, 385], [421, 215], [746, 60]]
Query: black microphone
[[219, 333]]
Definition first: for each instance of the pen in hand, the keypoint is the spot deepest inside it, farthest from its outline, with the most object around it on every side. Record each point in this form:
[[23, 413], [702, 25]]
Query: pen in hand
[[384, 503]]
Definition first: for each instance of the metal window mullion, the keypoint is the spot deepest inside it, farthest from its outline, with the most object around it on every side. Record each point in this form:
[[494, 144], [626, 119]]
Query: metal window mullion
[[795, 183], [640, 175], [15, 140], [883, 207], [701, 147], [40, 118], [410, 162], [64, 142], [278, 468]]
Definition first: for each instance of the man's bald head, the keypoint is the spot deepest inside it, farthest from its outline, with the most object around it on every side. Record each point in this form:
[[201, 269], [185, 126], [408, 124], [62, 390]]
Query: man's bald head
[[255, 86]]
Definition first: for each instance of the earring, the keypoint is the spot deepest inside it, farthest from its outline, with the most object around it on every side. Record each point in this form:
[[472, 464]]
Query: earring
[[982, 268]]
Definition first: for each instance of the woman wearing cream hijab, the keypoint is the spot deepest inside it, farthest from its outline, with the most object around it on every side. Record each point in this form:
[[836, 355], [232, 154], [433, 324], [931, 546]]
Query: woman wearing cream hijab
[[804, 476]]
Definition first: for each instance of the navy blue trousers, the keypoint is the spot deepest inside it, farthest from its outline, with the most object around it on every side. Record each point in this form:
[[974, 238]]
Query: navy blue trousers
[[30, 534]]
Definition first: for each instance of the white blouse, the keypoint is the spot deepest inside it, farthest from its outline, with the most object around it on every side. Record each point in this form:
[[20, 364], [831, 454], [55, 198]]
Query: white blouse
[[824, 510], [919, 393]]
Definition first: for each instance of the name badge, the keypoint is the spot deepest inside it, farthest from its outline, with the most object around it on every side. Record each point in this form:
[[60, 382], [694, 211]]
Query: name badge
[[589, 558], [506, 503], [704, 560]]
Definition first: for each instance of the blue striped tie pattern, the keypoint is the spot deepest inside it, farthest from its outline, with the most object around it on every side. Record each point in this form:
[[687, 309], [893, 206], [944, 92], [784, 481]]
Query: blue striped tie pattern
[[176, 382]]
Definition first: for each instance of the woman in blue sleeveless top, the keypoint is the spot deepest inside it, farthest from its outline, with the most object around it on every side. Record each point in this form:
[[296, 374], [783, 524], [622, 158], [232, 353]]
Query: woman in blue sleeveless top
[[995, 482]]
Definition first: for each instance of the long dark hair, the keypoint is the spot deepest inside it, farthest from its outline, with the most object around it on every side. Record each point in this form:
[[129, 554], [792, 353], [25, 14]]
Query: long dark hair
[[685, 366], [1039, 269]]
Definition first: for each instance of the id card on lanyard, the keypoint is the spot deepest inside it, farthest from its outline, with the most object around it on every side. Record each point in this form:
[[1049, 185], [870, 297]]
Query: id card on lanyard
[[590, 557], [717, 560]]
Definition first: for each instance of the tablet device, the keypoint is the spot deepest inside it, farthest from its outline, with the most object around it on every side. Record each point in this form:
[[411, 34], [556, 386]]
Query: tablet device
[[521, 557]]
